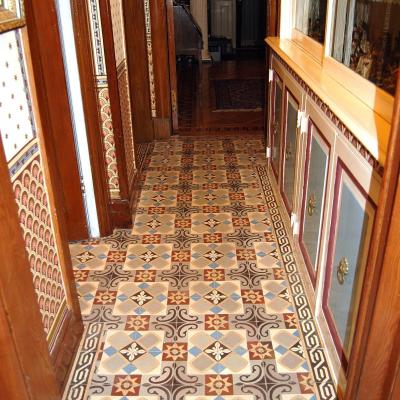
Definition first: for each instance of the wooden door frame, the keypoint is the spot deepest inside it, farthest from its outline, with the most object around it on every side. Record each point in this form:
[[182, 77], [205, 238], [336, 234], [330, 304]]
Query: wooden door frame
[[161, 65], [27, 371], [52, 81], [43, 35], [375, 356], [120, 209], [172, 64], [81, 24], [138, 71]]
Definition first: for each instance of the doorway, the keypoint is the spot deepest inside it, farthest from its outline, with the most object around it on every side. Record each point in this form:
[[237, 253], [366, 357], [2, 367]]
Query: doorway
[[220, 64]]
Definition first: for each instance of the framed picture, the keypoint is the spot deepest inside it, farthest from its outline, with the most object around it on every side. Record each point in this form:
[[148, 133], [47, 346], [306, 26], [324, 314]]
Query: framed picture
[[11, 15]]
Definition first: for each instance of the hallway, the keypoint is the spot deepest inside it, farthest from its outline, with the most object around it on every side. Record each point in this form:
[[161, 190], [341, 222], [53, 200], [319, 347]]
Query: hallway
[[199, 95], [205, 298]]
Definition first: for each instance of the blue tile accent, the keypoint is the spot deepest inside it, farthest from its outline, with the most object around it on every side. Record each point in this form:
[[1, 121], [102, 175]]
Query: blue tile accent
[[216, 335], [195, 351], [110, 350]]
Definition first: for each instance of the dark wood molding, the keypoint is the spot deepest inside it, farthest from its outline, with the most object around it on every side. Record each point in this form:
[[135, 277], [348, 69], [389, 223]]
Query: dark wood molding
[[27, 371], [80, 17], [161, 64], [138, 72], [43, 35], [172, 64], [375, 356], [47, 61], [112, 79]]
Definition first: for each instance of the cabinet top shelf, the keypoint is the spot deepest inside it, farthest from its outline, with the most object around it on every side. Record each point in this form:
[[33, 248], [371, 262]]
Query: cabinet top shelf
[[371, 129]]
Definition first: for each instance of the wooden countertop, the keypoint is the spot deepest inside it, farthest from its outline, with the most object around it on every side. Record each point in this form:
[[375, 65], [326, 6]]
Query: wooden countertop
[[368, 127]]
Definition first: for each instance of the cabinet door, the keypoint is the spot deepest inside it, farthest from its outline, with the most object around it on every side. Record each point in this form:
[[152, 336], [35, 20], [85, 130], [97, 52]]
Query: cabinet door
[[351, 226], [276, 124], [315, 183], [289, 150]]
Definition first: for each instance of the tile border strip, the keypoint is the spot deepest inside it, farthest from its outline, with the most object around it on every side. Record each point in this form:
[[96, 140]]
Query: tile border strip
[[307, 326]]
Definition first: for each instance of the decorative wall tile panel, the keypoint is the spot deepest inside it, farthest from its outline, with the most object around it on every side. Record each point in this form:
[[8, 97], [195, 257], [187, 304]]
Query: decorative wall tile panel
[[103, 99], [18, 134], [147, 17], [17, 123]]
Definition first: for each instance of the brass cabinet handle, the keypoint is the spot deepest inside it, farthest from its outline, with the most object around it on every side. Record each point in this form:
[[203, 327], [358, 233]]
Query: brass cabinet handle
[[342, 270], [312, 203]]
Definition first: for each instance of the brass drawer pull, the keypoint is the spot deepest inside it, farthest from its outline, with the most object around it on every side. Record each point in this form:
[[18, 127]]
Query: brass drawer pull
[[342, 270], [312, 203]]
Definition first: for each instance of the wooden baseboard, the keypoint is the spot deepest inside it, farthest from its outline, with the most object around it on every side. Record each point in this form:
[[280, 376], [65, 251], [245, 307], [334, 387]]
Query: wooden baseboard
[[121, 214], [65, 346], [162, 128]]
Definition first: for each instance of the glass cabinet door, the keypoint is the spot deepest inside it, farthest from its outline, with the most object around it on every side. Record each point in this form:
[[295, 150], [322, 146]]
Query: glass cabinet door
[[314, 198], [290, 150], [367, 39], [311, 17], [276, 125], [350, 235]]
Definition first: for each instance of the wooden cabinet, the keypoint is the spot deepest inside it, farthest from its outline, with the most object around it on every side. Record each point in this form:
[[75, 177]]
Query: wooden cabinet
[[276, 122], [330, 189], [316, 167]]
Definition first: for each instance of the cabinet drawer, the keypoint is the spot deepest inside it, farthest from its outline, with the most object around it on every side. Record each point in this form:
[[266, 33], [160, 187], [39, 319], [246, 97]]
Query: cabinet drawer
[[352, 220], [313, 203]]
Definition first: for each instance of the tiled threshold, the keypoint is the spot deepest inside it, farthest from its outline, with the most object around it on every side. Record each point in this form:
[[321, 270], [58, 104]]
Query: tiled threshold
[[203, 299]]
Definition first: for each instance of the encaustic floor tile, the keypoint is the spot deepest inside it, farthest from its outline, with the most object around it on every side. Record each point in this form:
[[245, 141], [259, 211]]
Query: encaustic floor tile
[[195, 302]]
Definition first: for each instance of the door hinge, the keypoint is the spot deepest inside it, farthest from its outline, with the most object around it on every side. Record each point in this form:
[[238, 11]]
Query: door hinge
[[83, 187], [270, 75], [268, 152], [302, 121], [294, 223]]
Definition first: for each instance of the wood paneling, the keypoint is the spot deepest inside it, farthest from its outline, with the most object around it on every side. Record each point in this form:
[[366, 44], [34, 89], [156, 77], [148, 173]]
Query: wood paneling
[[159, 28], [375, 356], [172, 64], [120, 211], [92, 119], [48, 58], [43, 34], [137, 60], [26, 372]]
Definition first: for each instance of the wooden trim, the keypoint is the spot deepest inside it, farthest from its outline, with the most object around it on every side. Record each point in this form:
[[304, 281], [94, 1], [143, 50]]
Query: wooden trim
[[42, 25], [48, 66], [138, 72], [372, 362], [120, 211], [313, 273], [341, 170], [287, 93], [172, 64], [81, 23], [30, 374], [161, 65], [311, 46], [112, 78], [373, 96]]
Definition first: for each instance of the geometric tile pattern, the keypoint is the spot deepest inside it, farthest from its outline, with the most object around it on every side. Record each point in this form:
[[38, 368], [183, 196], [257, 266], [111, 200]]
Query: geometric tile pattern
[[215, 298], [86, 295], [218, 352], [91, 257], [213, 255], [147, 298], [148, 256], [128, 353], [215, 284]]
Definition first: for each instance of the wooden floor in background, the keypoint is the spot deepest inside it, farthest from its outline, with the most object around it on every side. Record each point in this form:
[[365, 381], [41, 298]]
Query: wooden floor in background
[[196, 98]]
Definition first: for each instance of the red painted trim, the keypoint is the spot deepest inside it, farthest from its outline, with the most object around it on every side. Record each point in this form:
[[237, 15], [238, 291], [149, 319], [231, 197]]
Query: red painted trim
[[276, 79], [286, 94], [313, 273], [331, 249]]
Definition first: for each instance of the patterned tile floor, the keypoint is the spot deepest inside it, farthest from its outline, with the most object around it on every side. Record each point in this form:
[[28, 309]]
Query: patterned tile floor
[[203, 299]]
